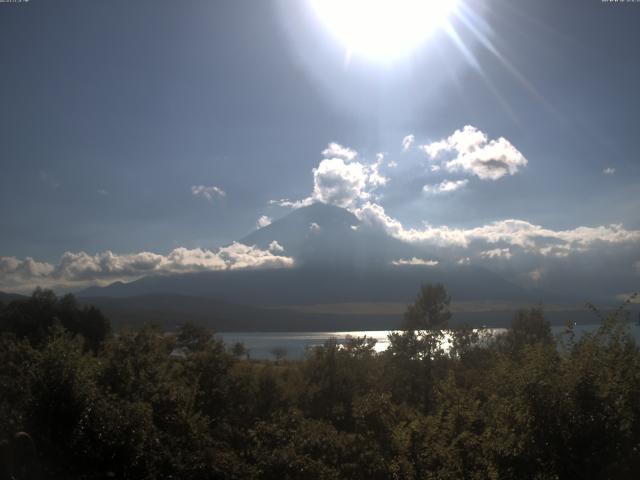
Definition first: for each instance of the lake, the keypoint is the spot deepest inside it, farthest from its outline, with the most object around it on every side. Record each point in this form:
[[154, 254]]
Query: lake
[[296, 344]]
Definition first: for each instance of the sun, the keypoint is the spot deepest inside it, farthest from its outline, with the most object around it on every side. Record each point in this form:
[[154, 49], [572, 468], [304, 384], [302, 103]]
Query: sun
[[383, 30]]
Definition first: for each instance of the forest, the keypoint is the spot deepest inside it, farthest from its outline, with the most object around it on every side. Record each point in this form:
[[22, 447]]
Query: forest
[[81, 401]]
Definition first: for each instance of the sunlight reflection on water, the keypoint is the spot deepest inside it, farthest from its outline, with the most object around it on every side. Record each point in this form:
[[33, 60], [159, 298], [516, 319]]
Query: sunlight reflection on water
[[296, 344], [261, 344]]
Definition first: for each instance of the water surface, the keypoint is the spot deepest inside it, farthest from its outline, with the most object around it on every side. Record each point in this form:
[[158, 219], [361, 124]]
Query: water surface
[[296, 344]]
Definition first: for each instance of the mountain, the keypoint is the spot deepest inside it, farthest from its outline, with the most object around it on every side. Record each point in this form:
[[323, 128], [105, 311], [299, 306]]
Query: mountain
[[8, 297], [337, 260], [326, 236], [170, 311], [317, 285], [343, 279]]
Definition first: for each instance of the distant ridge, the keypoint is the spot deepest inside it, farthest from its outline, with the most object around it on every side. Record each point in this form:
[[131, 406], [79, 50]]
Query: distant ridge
[[8, 297], [170, 311]]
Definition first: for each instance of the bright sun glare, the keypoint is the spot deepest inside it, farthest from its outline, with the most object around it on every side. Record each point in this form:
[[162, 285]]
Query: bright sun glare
[[382, 30]]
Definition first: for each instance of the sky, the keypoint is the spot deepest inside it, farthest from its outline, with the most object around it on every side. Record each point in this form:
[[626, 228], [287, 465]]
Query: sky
[[150, 132]]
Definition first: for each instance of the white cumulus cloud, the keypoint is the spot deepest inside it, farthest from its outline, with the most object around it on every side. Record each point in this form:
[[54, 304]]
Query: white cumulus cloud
[[510, 232], [78, 269], [472, 152], [263, 221], [339, 183], [335, 150], [341, 179], [276, 247]]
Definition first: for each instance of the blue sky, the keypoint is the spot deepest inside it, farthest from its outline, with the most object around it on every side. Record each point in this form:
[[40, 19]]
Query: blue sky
[[112, 112]]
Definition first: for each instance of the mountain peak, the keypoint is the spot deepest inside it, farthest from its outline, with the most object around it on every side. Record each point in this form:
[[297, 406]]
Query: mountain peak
[[322, 214], [326, 235]]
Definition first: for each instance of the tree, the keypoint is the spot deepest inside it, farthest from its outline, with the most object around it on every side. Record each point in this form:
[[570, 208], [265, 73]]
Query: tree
[[413, 351], [527, 328], [238, 350], [430, 310], [193, 338], [279, 353], [33, 318]]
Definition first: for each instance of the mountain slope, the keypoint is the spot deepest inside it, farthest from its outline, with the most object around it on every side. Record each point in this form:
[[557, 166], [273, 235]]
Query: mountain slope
[[325, 235], [171, 311], [8, 297]]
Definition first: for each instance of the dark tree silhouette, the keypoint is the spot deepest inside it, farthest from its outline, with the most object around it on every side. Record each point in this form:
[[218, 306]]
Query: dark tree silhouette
[[430, 309], [193, 338], [35, 317], [279, 353]]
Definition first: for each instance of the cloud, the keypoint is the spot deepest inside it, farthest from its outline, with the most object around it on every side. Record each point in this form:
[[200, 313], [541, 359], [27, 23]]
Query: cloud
[[82, 266], [512, 247], [263, 221], [82, 269], [293, 204], [276, 247], [335, 150], [446, 186], [102, 192], [341, 180], [375, 178], [210, 193], [392, 164], [609, 171], [470, 151], [339, 183], [584, 262], [415, 261], [511, 232], [314, 227], [497, 253], [27, 268], [407, 142]]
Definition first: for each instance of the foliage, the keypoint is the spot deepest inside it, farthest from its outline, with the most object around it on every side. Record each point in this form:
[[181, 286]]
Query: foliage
[[430, 309], [143, 405], [34, 318]]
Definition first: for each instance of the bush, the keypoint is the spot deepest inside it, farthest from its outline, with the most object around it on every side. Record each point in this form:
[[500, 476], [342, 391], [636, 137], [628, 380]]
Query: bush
[[146, 405]]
